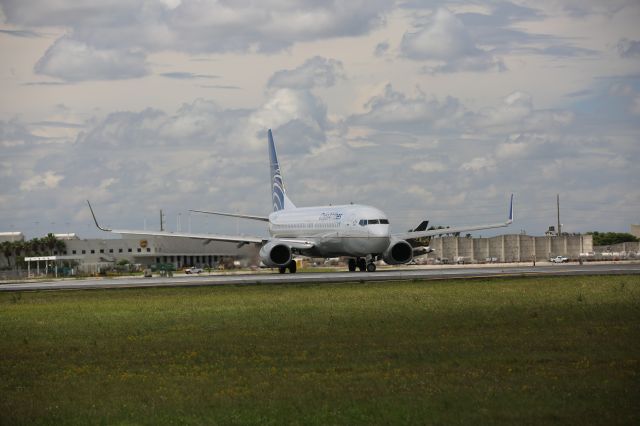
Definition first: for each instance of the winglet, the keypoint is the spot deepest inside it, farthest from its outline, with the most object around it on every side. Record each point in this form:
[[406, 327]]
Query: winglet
[[96, 220], [510, 211]]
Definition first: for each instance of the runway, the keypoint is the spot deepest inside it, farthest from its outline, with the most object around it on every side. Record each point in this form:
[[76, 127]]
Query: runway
[[395, 274]]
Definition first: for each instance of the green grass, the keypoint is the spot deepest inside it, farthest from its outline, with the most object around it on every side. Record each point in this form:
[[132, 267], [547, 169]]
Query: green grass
[[510, 351]]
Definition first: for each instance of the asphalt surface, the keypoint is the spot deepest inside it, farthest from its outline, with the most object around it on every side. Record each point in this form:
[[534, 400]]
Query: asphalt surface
[[395, 274]]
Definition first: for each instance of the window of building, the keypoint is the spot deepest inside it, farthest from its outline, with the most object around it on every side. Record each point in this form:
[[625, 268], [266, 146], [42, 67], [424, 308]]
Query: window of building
[[148, 250], [73, 252], [93, 251], [110, 250], [84, 252], [139, 250], [119, 250], [129, 250], [101, 250]]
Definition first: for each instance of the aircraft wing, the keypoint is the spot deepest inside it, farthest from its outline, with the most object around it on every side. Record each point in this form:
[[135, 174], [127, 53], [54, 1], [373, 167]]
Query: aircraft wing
[[210, 237], [241, 216], [420, 234]]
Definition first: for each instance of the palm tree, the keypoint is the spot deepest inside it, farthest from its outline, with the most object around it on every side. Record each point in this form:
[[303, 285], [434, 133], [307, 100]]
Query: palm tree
[[7, 249], [49, 242], [34, 246], [60, 247]]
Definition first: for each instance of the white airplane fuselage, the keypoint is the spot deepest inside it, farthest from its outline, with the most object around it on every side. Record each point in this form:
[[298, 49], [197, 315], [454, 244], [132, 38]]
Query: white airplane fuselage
[[346, 230]]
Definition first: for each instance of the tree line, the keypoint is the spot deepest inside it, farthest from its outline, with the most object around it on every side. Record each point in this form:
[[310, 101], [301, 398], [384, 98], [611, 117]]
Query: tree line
[[610, 238], [16, 251]]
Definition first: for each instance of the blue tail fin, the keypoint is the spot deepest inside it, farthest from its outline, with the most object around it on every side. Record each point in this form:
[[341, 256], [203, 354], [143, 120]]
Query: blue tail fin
[[278, 192]]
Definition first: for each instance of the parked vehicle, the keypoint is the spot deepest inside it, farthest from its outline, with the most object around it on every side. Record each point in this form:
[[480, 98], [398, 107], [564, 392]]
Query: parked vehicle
[[193, 270], [559, 259]]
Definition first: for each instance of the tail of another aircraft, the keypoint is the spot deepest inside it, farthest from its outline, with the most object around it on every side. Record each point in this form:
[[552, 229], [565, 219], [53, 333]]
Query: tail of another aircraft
[[278, 192]]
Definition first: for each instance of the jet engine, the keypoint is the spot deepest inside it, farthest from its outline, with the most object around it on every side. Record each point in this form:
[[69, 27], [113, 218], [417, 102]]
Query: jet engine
[[398, 252], [275, 254]]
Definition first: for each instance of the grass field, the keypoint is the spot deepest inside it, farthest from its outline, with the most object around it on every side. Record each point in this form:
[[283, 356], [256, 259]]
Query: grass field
[[508, 351]]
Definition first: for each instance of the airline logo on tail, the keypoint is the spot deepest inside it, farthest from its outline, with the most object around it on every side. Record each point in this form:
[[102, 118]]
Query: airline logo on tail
[[278, 193]]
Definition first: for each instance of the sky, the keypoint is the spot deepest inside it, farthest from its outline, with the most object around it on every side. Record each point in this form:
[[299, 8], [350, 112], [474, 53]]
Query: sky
[[428, 110]]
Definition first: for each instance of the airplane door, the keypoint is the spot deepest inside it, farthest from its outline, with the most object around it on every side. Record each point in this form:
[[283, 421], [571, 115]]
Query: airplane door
[[351, 224]]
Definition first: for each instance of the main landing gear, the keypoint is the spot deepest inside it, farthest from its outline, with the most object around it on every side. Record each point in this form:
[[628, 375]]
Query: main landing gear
[[291, 267], [362, 264]]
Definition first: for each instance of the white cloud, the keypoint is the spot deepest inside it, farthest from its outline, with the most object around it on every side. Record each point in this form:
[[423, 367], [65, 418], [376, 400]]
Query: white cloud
[[388, 135], [515, 107], [72, 61], [48, 180], [428, 167], [111, 39], [479, 164], [315, 72], [445, 39], [393, 109], [628, 48]]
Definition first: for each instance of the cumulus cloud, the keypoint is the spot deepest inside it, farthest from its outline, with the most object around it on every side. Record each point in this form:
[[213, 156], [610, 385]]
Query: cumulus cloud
[[480, 164], [393, 109], [298, 112], [516, 113], [514, 108], [445, 40], [72, 61], [628, 48], [314, 72], [48, 180], [107, 38], [428, 167], [381, 48]]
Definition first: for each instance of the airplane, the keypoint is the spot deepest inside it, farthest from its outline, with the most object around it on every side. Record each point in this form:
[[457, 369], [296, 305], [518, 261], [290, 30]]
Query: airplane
[[359, 232]]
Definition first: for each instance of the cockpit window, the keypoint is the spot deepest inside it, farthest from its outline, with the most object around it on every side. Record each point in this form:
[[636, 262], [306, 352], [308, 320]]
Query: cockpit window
[[364, 222]]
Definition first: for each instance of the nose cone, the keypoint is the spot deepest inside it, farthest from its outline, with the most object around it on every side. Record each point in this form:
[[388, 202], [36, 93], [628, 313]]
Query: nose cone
[[379, 230]]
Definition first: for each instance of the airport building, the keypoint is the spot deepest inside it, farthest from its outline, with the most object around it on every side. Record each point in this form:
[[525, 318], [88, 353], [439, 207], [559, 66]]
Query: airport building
[[94, 255], [11, 236], [509, 248]]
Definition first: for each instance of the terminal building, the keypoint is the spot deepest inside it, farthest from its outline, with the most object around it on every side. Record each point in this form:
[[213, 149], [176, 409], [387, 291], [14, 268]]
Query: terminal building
[[180, 252], [94, 255]]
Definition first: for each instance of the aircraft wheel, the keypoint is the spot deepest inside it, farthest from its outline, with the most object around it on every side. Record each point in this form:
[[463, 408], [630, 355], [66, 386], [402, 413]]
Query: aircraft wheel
[[292, 267], [371, 267], [362, 264], [282, 269], [352, 265]]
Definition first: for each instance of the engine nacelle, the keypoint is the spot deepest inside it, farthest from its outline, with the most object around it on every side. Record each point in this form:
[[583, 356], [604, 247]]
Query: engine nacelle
[[398, 252], [275, 254]]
